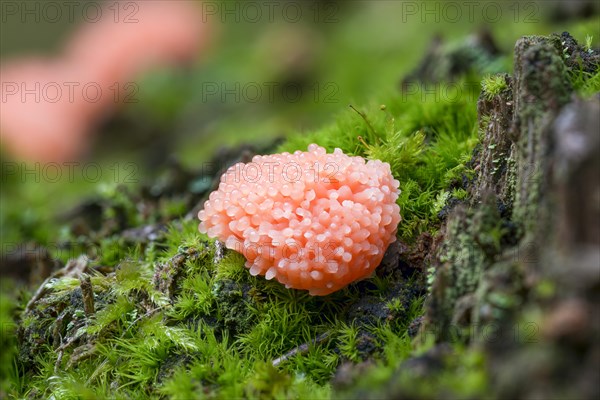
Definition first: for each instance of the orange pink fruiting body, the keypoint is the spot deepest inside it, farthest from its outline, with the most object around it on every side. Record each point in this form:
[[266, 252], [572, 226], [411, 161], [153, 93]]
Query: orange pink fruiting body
[[311, 220]]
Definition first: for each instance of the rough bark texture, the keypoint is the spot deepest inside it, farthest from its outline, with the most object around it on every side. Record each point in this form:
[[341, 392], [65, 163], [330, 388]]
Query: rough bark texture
[[519, 267]]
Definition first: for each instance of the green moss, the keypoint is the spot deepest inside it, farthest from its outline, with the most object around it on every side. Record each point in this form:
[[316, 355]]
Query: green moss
[[431, 374], [10, 373], [232, 267], [211, 335], [493, 85], [587, 84], [348, 340]]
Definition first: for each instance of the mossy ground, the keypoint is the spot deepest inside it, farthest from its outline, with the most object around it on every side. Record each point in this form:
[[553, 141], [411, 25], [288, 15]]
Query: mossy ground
[[175, 315], [182, 318]]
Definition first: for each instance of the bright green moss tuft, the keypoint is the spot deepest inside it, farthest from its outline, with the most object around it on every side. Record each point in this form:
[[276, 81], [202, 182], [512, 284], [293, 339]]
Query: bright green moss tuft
[[493, 85], [587, 85], [348, 340]]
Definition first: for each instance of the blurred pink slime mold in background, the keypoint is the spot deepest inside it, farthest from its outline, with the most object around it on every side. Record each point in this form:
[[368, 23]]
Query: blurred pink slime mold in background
[[50, 106], [159, 32], [39, 120]]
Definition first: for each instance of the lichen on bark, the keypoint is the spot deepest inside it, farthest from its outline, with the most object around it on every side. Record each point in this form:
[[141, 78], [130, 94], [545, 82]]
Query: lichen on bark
[[535, 193]]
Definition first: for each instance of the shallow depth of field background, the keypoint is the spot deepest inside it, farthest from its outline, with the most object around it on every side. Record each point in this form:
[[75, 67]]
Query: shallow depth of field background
[[266, 69]]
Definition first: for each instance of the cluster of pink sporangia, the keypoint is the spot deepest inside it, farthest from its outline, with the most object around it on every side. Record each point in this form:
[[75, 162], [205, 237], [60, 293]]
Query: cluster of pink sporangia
[[311, 220]]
